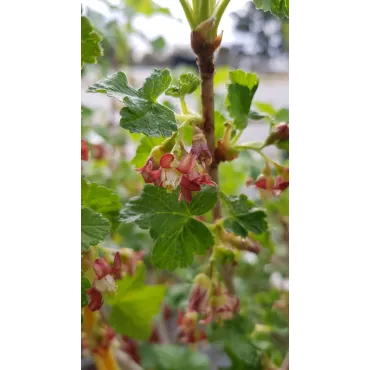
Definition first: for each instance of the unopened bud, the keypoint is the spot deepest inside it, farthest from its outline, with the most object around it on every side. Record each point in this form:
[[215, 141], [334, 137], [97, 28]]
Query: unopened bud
[[278, 133]]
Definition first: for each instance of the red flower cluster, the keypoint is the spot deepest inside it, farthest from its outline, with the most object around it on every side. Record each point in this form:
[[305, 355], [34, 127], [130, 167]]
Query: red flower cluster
[[206, 303], [186, 173], [104, 281], [268, 185], [125, 262]]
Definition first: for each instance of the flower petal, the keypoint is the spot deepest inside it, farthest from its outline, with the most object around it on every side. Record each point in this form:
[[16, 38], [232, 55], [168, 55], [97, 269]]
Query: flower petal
[[188, 184], [101, 268], [166, 160], [116, 264], [96, 299], [187, 163], [261, 182]]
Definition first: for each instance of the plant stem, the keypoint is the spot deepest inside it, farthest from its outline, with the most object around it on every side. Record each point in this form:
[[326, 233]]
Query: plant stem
[[219, 10], [189, 13], [184, 107], [206, 70], [205, 60]]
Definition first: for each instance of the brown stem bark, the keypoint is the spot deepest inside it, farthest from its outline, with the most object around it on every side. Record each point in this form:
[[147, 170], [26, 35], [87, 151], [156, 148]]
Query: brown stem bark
[[206, 71], [205, 60]]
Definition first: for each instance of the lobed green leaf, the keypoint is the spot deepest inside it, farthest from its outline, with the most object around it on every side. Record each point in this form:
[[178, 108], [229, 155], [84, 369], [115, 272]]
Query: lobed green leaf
[[243, 216], [134, 305], [240, 93], [177, 235], [141, 114], [90, 43], [94, 228]]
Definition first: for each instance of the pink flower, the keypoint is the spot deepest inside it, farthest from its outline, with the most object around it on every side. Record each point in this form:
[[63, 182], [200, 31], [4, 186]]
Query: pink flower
[[200, 294], [104, 281], [170, 176], [95, 299], [150, 176], [269, 186], [224, 305], [188, 331]]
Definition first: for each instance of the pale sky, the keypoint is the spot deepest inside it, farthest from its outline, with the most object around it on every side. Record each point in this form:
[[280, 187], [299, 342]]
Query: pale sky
[[171, 29]]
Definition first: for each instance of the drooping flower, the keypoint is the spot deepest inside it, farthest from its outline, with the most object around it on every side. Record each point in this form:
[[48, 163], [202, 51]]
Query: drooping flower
[[129, 260], [270, 186], [224, 304], [170, 176], [150, 175], [104, 281], [95, 299], [188, 330], [200, 294]]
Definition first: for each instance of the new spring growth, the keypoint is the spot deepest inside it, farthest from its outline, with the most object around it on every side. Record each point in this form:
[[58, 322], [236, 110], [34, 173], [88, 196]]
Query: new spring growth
[[225, 151], [204, 40]]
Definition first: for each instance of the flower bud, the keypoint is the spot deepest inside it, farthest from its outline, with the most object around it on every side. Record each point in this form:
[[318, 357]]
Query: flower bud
[[280, 132]]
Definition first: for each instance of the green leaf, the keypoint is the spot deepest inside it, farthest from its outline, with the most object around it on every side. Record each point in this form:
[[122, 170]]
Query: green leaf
[[141, 114], [143, 150], [282, 115], [256, 116], [240, 93], [173, 357], [158, 43], [243, 217], [279, 8], [134, 305], [90, 43], [265, 108], [156, 84], [188, 83], [94, 228], [85, 284], [177, 235], [99, 198], [243, 355], [147, 7]]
